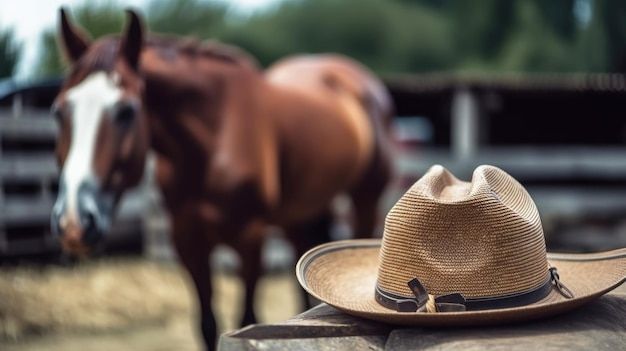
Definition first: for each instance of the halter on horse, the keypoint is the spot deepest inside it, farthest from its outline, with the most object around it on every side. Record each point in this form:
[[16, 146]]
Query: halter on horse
[[237, 149]]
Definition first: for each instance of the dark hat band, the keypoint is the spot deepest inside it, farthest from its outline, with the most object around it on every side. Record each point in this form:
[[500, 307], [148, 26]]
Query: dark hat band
[[410, 304]]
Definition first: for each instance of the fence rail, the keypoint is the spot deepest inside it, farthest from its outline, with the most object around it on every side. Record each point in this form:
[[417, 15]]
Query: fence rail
[[28, 166], [33, 125], [29, 182]]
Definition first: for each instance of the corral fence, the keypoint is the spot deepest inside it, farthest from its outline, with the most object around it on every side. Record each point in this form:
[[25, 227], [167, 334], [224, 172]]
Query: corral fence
[[29, 179], [562, 136]]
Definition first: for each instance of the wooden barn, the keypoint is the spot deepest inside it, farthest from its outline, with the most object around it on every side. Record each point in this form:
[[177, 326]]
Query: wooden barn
[[562, 135]]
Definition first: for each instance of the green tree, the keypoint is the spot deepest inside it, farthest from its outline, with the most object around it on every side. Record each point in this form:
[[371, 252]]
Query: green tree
[[9, 53], [98, 19], [604, 46], [481, 27], [559, 16], [384, 35], [186, 17], [393, 35], [518, 35], [535, 45]]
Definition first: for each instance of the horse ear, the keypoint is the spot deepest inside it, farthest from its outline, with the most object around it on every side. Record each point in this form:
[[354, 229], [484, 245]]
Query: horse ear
[[132, 42], [75, 41]]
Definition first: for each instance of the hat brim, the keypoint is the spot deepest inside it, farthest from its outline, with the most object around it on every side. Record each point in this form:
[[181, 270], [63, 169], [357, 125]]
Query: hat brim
[[343, 274]]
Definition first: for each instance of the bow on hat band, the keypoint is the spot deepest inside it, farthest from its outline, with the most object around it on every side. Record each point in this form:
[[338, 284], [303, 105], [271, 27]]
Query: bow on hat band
[[456, 302]]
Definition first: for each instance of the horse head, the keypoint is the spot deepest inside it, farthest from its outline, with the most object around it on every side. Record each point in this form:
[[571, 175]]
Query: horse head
[[103, 138]]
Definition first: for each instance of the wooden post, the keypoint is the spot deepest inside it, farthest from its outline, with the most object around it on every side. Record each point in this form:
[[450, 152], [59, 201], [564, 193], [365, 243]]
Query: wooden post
[[464, 134], [18, 105]]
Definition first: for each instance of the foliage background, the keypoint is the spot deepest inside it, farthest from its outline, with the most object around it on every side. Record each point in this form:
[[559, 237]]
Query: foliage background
[[9, 53], [390, 36]]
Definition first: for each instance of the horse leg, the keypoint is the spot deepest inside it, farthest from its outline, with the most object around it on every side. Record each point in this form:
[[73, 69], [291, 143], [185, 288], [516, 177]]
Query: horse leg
[[366, 195], [366, 216], [193, 251], [308, 234], [249, 249]]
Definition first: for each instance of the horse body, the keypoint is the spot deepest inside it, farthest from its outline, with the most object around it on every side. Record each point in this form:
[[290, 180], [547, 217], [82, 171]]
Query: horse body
[[238, 149], [327, 132], [294, 142]]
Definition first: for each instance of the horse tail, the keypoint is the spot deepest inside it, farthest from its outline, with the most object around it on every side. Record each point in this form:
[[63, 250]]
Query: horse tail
[[365, 95], [370, 93], [381, 103]]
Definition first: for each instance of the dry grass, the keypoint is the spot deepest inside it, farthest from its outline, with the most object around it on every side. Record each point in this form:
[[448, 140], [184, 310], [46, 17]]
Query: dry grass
[[92, 296], [104, 296]]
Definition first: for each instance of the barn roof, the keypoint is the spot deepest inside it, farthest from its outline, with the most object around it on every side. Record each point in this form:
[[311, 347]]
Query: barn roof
[[583, 82]]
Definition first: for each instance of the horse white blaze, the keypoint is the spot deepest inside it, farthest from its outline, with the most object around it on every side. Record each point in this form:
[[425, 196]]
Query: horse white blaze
[[88, 102]]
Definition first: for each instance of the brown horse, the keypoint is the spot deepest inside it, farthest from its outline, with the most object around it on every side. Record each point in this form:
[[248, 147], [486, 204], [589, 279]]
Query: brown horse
[[237, 149]]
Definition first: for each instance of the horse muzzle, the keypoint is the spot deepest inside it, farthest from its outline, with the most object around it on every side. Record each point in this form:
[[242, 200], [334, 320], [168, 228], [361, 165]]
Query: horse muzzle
[[82, 228]]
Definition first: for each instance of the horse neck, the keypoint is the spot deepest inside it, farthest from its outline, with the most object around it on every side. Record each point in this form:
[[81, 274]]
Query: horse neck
[[203, 114]]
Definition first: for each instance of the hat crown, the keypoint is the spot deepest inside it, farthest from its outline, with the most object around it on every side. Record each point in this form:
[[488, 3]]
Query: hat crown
[[481, 238]]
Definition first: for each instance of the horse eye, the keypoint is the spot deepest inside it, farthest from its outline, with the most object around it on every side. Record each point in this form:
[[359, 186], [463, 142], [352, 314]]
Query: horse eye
[[125, 115]]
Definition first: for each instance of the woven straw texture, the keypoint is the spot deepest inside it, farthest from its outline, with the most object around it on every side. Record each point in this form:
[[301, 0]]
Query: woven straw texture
[[343, 274], [480, 239]]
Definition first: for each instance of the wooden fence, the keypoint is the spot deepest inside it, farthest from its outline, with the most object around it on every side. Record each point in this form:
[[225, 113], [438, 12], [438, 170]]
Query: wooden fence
[[29, 183]]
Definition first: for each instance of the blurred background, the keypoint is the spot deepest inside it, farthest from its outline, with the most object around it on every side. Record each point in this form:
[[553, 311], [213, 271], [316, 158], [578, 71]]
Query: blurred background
[[534, 87]]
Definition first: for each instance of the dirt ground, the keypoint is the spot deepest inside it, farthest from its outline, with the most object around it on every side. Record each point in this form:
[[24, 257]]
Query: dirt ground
[[129, 304]]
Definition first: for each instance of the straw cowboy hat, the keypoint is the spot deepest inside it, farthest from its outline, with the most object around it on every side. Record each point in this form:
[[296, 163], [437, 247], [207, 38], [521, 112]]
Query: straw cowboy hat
[[458, 253]]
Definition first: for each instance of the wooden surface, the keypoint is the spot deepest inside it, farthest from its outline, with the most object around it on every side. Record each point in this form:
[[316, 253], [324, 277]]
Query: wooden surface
[[600, 325]]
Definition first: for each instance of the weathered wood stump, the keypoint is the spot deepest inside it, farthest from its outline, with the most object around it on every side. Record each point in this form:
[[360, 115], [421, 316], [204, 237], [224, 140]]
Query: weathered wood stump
[[600, 325]]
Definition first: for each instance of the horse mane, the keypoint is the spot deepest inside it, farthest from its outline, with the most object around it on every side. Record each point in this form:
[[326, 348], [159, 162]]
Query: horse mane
[[211, 48], [101, 58], [103, 53]]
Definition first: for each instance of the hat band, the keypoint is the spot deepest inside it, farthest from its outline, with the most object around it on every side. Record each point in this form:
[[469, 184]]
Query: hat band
[[410, 304]]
